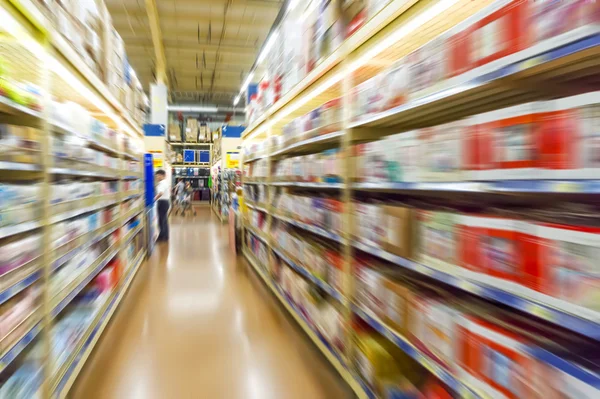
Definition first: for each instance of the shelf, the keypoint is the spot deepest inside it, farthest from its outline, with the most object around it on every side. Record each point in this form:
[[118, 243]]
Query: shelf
[[103, 99], [364, 35], [80, 248], [506, 186], [191, 165], [315, 280], [75, 287], [358, 386], [132, 213], [419, 356], [465, 98], [331, 186], [313, 229], [131, 234], [258, 235], [15, 229], [17, 166], [255, 182], [83, 173], [8, 106], [131, 177], [71, 369], [78, 212], [14, 289], [545, 311], [257, 207], [319, 143], [11, 354], [254, 158]]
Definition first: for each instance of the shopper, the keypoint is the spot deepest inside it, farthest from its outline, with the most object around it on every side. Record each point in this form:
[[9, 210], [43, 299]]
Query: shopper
[[163, 199]]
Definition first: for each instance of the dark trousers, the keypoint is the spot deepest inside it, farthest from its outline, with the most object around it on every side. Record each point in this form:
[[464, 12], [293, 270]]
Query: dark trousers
[[163, 219]]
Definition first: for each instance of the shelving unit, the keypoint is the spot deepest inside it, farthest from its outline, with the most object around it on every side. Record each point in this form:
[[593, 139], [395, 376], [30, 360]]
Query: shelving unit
[[99, 192], [397, 30]]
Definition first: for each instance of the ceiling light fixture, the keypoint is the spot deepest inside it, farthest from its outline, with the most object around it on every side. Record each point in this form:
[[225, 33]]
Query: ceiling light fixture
[[267, 48]]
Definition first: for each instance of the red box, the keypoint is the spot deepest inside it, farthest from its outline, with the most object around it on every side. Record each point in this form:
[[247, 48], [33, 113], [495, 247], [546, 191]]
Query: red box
[[570, 138], [499, 34], [508, 141], [567, 266], [494, 360]]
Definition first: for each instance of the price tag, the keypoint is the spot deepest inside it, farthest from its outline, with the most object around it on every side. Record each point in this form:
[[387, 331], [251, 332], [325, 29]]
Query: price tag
[[540, 312], [531, 62], [566, 187]]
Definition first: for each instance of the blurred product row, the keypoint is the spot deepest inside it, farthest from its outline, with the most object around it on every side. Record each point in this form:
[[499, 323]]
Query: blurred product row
[[72, 213], [401, 220]]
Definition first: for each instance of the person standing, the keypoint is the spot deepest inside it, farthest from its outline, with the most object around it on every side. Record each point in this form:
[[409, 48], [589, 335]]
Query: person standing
[[163, 198]]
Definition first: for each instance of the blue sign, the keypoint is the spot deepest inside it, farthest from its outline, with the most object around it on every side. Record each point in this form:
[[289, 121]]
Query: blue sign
[[232, 131], [149, 179], [154, 130], [189, 156]]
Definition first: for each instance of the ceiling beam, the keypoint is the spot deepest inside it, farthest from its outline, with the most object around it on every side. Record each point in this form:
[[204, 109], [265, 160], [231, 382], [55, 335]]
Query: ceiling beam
[[159, 50]]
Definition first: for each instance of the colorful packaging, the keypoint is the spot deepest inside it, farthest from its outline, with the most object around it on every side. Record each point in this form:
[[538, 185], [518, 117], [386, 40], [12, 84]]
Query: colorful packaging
[[570, 138], [508, 142], [567, 266]]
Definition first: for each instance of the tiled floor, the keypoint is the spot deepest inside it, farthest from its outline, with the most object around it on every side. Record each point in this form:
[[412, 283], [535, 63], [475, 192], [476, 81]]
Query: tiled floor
[[197, 323]]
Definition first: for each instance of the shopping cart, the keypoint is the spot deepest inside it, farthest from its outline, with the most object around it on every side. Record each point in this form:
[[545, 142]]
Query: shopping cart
[[185, 204]]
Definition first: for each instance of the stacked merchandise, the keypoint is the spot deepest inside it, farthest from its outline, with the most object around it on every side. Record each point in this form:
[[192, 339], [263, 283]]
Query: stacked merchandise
[[322, 212], [256, 194], [228, 186], [323, 120], [309, 33], [324, 167], [449, 294], [191, 130], [21, 93], [88, 29], [257, 170]]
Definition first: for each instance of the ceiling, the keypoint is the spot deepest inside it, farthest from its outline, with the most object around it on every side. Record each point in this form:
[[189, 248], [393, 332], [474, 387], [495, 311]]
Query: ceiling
[[209, 45]]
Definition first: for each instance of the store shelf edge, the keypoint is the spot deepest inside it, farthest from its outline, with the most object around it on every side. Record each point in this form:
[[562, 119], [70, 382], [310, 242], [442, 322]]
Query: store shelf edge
[[69, 376], [556, 316], [359, 388]]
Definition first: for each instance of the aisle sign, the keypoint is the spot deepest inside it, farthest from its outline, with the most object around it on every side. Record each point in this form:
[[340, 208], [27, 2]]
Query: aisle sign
[[232, 160], [158, 163], [157, 158]]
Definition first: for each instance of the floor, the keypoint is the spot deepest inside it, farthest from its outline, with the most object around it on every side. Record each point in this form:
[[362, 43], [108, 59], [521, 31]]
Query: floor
[[198, 323]]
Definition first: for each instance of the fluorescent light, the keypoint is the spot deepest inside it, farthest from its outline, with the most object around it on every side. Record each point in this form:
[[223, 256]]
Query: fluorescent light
[[236, 100], [292, 5], [265, 51], [247, 82], [191, 108]]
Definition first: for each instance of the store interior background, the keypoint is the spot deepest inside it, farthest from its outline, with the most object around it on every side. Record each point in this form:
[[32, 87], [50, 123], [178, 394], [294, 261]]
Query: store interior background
[[388, 199]]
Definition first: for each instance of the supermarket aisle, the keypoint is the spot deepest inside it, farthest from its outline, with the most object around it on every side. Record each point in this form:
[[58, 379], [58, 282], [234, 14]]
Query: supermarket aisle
[[198, 323]]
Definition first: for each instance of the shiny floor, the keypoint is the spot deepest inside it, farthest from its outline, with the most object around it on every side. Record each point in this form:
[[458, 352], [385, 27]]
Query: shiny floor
[[198, 323]]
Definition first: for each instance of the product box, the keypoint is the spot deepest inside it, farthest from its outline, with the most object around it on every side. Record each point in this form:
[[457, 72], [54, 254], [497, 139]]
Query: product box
[[570, 138], [331, 116], [500, 33], [509, 141], [370, 293], [396, 82], [567, 266], [336, 270], [427, 68], [369, 224], [399, 297], [560, 22], [440, 152], [400, 229], [438, 236], [494, 360]]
